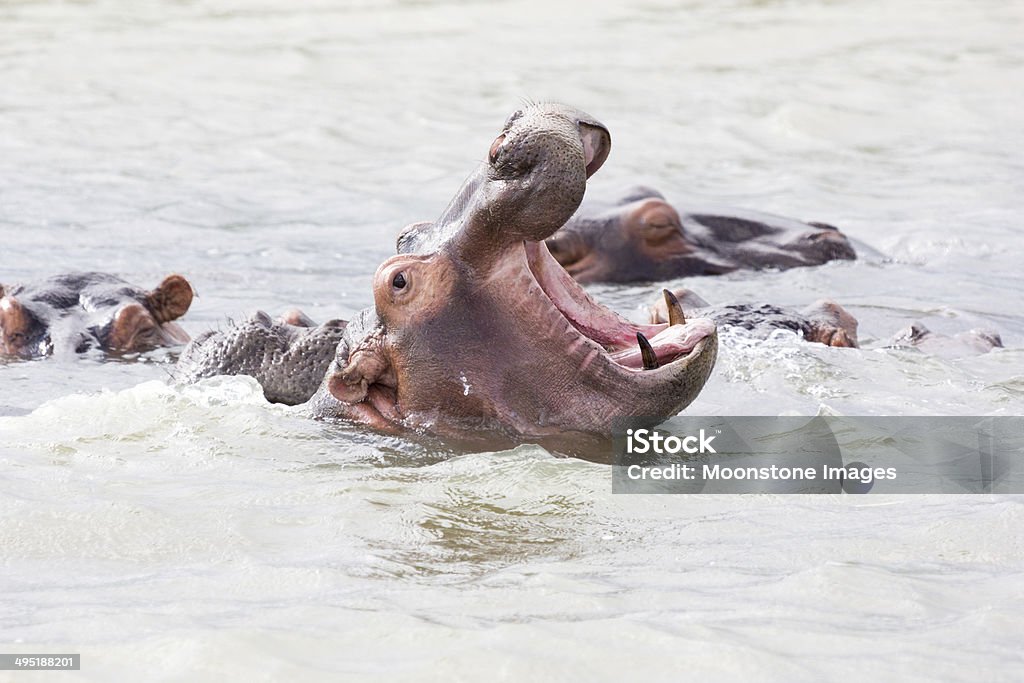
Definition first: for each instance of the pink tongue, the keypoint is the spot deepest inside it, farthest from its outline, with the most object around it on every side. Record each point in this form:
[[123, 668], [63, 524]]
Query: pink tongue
[[669, 344], [602, 325]]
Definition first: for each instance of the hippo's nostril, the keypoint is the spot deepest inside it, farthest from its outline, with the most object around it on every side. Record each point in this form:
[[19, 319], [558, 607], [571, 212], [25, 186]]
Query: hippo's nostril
[[399, 281]]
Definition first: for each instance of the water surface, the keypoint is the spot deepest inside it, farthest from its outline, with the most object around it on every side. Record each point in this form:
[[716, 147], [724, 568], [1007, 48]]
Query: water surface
[[272, 152]]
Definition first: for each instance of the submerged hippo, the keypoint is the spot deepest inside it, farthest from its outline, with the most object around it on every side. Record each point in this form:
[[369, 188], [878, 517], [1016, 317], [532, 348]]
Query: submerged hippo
[[289, 356], [80, 311], [969, 343], [642, 237], [823, 322], [477, 333]]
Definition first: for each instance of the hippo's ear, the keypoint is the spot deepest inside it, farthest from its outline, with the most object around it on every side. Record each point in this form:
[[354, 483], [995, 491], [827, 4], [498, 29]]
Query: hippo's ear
[[1, 291], [597, 143], [170, 300], [17, 324], [412, 237]]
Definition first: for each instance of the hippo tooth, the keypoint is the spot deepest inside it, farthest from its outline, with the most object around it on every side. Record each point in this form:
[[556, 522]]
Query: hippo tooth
[[647, 353], [675, 309]]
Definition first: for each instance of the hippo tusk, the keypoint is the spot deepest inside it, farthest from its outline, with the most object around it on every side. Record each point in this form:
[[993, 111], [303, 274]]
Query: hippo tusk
[[675, 309], [647, 353]]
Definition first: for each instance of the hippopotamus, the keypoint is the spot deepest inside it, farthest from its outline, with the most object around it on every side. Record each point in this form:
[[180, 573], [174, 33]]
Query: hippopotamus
[[80, 311], [641, 237], [477, 334], [969, 343], [288, 356], [823, 322]]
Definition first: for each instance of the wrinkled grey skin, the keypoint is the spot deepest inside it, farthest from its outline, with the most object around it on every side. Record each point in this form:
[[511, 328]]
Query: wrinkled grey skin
[[641, 237], [823, 322], [970, 343], [288, 356], [477, 335], [76, 312]]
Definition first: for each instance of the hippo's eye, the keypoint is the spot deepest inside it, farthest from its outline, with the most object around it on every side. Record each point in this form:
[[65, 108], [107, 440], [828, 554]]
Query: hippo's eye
[[399, 281]]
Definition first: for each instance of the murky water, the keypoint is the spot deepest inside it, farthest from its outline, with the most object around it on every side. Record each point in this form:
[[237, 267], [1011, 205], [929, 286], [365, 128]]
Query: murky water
[[271, 152]]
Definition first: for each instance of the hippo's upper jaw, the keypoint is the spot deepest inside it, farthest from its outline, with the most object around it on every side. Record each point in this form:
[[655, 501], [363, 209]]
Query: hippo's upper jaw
[[476, 327]]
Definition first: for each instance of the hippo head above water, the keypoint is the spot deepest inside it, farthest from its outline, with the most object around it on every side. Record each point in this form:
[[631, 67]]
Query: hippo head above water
[[477, 334], [80, 311], [642, 237], [476, 328]]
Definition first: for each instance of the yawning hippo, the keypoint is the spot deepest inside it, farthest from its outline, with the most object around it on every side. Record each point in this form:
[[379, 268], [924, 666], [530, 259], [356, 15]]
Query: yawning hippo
[[642, 237], [477, 332], [79, 311]]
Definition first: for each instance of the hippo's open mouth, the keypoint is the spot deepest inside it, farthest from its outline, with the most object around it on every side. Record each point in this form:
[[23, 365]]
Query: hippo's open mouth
[[630, 346]]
